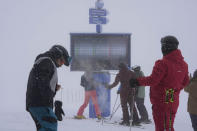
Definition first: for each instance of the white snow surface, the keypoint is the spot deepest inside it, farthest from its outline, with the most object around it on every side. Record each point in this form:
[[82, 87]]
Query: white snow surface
[[21, 121]]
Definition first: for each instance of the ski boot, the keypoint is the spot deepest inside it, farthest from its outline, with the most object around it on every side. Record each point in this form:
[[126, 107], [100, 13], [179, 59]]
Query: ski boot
[[125, 123], [79, 117], [99, 117], [145, 121], [136, 123]]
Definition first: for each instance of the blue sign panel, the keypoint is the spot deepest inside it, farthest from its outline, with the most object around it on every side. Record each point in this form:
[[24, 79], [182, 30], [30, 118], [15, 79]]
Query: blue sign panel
[[97, 20], [97, 12]]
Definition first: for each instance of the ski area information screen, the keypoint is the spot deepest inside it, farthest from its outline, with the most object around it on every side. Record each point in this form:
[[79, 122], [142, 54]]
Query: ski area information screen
[[97, 51]]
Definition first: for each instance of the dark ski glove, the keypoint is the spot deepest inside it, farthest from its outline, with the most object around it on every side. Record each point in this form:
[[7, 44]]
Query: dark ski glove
[[58, 110], [134, 83], [108, 86]]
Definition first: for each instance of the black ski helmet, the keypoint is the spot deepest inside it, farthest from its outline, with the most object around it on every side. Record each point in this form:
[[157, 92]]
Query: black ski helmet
[[59, 51], [195, 74], [122, 65], [168, 44]]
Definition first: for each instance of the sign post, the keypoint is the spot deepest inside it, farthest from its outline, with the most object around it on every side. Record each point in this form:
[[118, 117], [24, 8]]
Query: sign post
[[97, 15]]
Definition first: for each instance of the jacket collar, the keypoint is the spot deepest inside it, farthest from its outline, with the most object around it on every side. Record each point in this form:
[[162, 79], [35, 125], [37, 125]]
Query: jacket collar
[[174, 55]]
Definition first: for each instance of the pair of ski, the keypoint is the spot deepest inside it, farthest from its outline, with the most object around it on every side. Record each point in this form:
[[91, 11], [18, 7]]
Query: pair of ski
[[75, 117], [106, 121], [118, 124]]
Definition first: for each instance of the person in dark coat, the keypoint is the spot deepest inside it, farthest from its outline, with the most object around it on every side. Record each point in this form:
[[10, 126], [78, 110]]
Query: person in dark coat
[[192, 100], [168, 78], [126, 94], [139, 97], [42, 86]]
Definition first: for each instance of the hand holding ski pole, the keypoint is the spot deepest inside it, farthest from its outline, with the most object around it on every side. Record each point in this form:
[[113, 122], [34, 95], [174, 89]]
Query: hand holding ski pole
[[108, 87], [58, 87], [134, 83]]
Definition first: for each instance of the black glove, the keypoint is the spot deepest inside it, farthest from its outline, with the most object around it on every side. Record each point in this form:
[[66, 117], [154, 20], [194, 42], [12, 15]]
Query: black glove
[[58, 110], [134, 83], [108, 87]]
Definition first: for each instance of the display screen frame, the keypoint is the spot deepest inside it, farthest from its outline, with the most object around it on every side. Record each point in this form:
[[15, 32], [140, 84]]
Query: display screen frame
[[89, 55]]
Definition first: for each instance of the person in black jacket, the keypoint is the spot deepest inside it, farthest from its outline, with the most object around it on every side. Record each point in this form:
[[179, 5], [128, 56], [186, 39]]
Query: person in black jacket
[[42, 86]]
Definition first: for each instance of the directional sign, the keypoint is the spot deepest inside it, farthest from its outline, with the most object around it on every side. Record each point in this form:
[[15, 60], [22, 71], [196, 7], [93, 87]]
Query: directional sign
[[97, 12], [97, 20]]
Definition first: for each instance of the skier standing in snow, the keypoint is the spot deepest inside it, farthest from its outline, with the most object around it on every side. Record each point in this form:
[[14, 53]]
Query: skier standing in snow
[[126, 94], [192, 100], [168, 78], [42, 87], [89, 85], [139, 97]]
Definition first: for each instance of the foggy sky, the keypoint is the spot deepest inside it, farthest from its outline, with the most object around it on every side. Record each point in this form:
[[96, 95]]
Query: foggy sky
[[30, 27]]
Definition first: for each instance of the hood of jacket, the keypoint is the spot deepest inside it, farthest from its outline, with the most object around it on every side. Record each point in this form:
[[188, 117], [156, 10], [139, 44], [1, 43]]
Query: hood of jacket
[[50, 55], [175, 56]]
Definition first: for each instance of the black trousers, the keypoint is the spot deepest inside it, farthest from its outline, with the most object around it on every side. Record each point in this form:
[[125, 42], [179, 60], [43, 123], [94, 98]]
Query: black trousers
[[141, 108], [127, 98], [194, 121]]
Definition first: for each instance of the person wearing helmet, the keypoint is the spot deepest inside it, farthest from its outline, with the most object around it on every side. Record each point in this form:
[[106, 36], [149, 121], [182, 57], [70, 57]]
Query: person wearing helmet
[[168, 78], [139, 97], [42, 86]]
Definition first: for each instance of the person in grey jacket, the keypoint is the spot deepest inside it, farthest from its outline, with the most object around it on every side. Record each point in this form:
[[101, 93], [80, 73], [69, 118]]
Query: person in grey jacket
[[139, 97], [192, 100]]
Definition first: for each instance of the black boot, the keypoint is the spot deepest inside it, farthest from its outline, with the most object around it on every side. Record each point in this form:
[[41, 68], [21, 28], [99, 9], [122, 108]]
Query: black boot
[[136, 123], [125, 123], [145, 121]]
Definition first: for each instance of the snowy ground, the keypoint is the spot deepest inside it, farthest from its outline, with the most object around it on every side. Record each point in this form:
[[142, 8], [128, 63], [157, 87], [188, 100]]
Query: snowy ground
[[21, 120]]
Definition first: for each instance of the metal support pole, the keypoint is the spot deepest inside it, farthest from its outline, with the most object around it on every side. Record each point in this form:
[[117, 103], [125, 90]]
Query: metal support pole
[[98, 28]]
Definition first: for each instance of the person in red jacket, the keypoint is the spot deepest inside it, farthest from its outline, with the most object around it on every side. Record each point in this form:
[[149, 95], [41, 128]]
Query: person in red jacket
[[168, 78]]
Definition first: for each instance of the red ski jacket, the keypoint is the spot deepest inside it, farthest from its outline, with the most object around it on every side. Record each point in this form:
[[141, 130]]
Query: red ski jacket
[[171, 72]]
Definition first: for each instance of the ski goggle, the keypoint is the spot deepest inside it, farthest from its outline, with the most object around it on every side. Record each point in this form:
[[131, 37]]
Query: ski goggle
[[68, 61]]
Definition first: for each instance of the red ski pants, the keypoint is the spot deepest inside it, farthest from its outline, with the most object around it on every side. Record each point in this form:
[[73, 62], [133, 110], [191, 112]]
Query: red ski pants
[[162, 114], [93, 96]]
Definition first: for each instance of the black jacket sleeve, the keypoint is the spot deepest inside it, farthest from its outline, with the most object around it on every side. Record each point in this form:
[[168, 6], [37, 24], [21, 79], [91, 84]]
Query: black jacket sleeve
[[44, 71]]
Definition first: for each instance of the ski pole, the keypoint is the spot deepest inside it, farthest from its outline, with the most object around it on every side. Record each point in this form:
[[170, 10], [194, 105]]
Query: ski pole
[[61, 93], [170, 122], [114, 106], [114, 111], [165, 121], [132, 106]]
